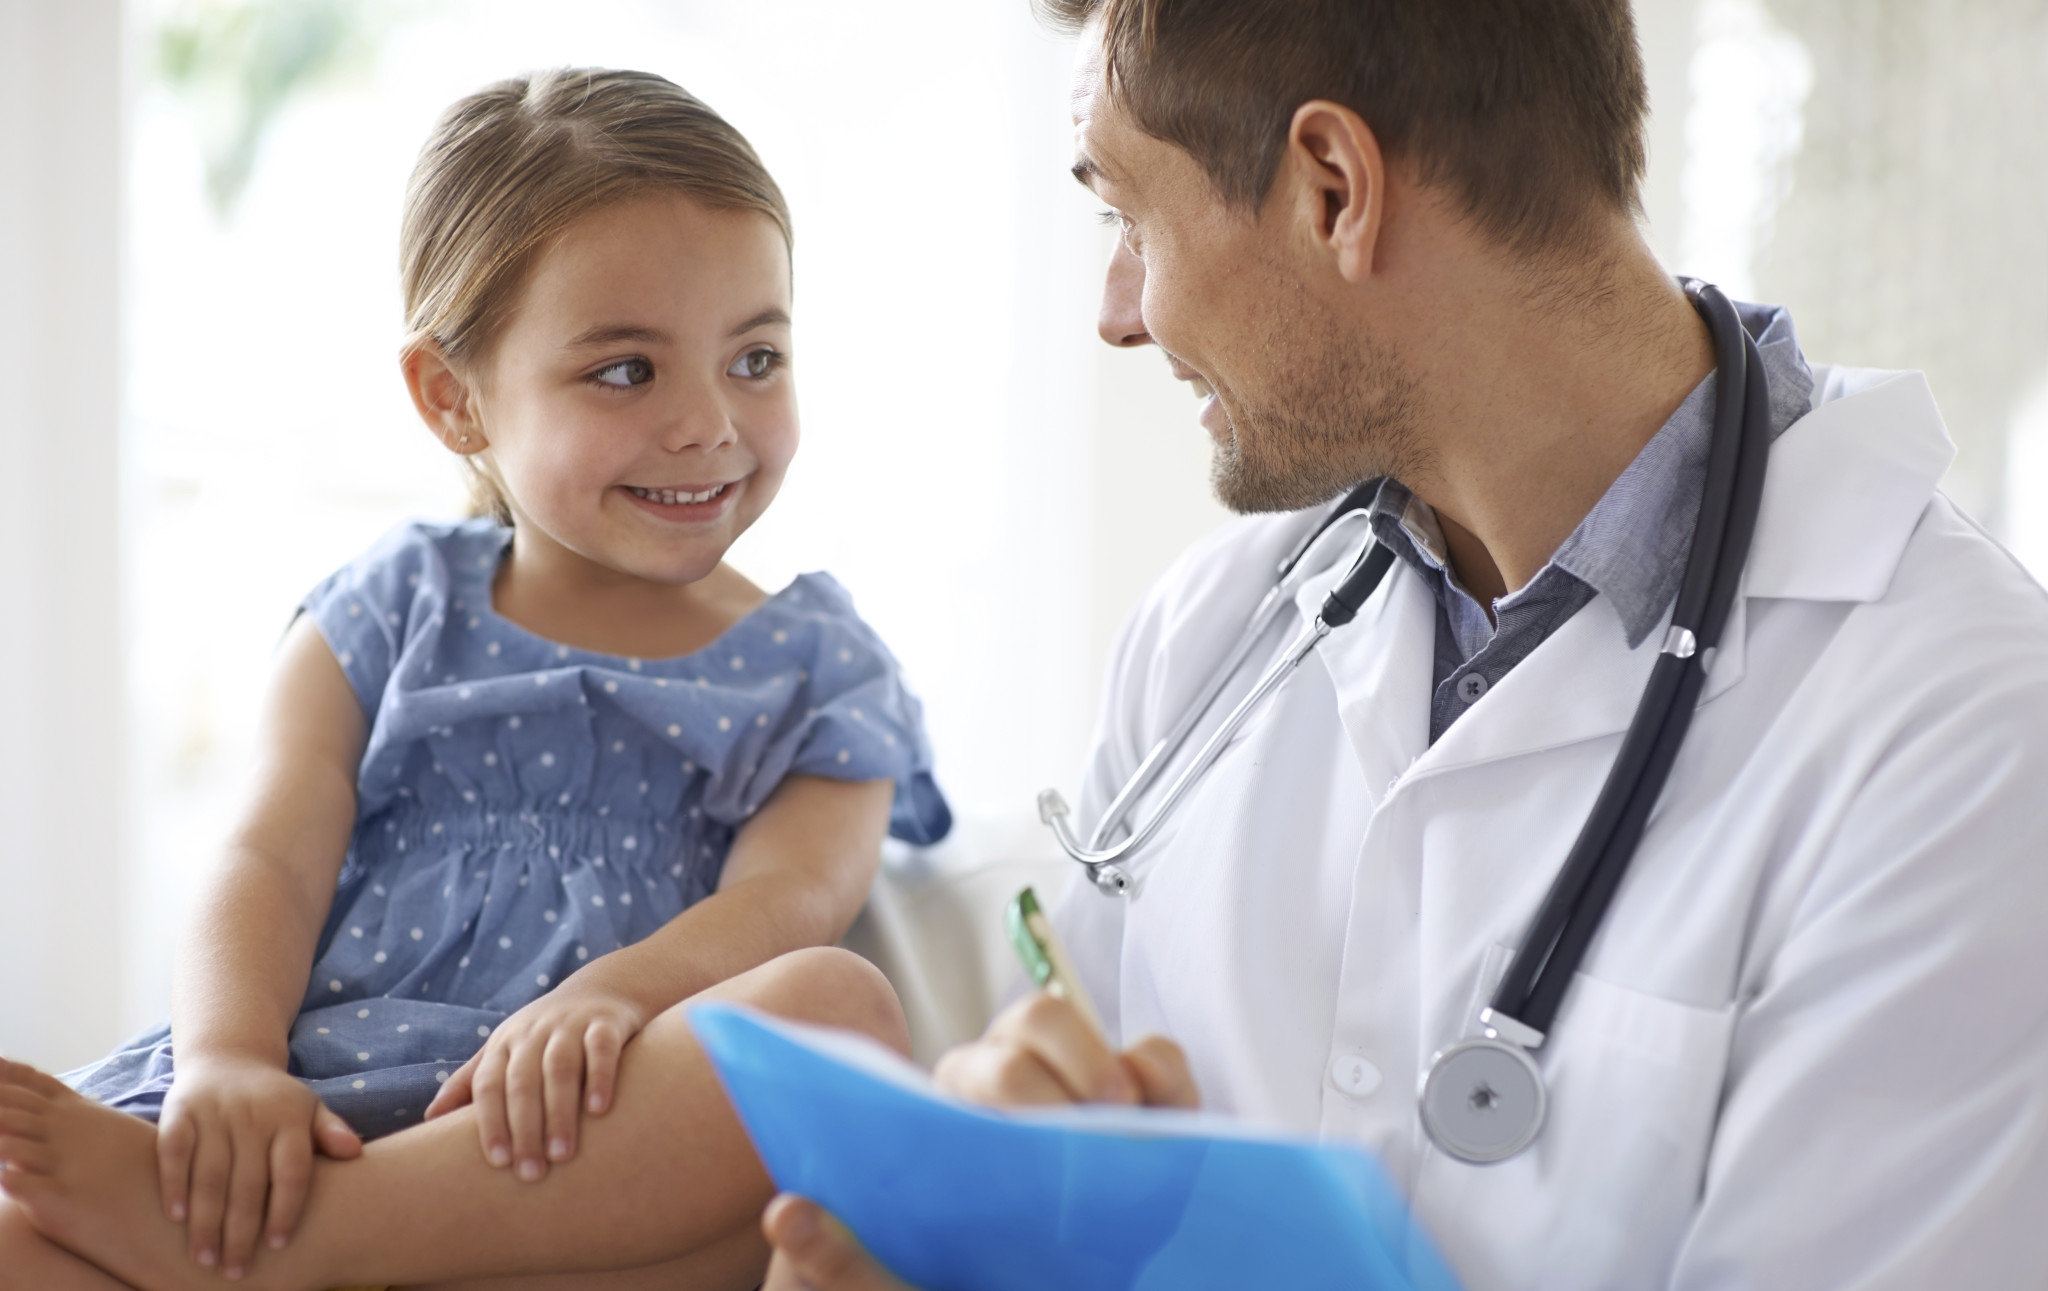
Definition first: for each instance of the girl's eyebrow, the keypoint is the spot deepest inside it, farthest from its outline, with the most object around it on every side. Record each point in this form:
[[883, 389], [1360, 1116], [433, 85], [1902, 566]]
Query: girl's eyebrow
[[763, 319], [612, 333]]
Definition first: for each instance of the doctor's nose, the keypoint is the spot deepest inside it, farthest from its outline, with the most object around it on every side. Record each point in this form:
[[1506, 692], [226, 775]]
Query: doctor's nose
[[1122, 321]]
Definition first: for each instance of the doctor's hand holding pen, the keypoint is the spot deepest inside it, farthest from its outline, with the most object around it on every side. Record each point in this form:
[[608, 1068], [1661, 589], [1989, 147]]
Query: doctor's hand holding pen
[[1042, 1050]]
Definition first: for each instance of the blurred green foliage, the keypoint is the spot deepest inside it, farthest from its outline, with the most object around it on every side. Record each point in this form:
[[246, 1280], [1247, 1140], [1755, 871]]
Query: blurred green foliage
[[239, 63]]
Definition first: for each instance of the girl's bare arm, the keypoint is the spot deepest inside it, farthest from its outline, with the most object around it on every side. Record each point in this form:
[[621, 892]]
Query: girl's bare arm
[[238, 1133], [797, 875]]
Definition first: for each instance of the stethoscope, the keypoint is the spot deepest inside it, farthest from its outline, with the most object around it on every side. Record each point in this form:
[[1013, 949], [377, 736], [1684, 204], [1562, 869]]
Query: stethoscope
[[1483, 1098]]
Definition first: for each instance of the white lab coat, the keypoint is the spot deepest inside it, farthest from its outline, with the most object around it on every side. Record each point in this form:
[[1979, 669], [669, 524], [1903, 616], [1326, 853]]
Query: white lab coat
[[1809, 1047]]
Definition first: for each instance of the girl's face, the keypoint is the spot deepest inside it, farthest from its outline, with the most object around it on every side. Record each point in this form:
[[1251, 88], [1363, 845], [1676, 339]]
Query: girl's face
[[638, 409]]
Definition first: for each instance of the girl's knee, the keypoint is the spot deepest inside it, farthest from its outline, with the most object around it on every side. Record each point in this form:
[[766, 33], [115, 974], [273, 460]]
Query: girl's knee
[[831, 987]]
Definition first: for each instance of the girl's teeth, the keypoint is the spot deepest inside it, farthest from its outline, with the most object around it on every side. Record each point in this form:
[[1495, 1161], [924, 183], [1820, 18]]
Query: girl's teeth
[[670, 497]]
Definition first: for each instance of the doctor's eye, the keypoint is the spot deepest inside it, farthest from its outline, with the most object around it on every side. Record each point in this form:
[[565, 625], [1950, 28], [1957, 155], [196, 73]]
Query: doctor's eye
[[624, 374], [757, 364]]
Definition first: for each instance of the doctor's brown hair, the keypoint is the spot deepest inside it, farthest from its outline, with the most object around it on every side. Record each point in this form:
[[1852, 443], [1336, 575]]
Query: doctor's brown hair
[[1529, 111], [509, 168]]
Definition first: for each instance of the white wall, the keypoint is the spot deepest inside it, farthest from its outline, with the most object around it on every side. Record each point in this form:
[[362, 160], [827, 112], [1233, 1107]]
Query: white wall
[[63, 780]]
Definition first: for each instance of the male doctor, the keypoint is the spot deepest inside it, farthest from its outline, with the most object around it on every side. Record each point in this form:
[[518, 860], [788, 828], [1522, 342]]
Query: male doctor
[[1809, 1046]]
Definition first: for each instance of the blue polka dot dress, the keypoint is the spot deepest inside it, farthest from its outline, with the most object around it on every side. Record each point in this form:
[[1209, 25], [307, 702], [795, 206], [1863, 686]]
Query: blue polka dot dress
[[524, 807]]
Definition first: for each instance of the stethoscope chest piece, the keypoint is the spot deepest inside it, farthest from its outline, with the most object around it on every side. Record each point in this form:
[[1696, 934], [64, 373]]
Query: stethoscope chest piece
[[1483, 1100]]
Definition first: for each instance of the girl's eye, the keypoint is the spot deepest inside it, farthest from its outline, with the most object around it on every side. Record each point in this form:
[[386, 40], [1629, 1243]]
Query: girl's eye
[[625, 374], [756, 364]]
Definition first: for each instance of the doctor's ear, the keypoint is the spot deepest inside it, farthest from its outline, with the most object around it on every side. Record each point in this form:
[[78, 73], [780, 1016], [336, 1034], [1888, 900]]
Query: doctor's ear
[[444, 398], [1336, 178]]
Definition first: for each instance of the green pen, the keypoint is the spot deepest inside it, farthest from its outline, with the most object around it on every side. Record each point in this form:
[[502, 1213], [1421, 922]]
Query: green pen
[[1045, 960]]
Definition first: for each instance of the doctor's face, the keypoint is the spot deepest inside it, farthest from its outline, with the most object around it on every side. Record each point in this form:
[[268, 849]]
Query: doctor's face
[[1300, 401]]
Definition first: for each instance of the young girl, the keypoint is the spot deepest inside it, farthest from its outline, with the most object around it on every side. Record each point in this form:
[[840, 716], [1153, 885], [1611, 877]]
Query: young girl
[[530, 780]]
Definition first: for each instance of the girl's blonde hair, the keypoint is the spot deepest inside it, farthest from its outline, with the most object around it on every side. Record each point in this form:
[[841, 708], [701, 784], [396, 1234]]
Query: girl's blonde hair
[[508, 168]]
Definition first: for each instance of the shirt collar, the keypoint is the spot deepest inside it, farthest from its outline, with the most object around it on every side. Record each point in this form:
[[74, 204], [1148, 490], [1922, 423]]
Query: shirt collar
[[1631, 547]]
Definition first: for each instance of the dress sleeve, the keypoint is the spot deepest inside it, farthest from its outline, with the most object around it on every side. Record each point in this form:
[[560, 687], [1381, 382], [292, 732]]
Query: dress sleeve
[[849, 717], [364, 608]]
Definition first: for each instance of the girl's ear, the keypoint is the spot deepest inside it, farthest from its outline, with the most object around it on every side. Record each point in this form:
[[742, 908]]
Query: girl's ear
[[443, 398]]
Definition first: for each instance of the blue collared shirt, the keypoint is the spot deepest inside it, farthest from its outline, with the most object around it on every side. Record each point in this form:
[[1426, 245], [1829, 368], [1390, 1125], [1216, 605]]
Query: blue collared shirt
[[1630, 548]]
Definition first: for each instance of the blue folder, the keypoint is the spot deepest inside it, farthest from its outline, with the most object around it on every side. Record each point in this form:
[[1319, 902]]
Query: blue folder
[[953, 1197]]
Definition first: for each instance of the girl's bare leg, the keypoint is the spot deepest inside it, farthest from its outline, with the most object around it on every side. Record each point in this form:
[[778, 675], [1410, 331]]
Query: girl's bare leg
[[31, 1262], [666, 1175]]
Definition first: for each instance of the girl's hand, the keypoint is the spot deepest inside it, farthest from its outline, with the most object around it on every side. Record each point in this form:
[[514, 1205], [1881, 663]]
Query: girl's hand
[[541, 1068], [235, 1155]]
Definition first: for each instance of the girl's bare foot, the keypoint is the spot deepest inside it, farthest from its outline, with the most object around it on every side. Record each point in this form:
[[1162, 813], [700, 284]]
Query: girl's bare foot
[[86, 1176]]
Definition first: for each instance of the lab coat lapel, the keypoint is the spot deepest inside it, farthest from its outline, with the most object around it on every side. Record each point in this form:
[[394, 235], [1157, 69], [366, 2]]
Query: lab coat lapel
[[1381, 667]]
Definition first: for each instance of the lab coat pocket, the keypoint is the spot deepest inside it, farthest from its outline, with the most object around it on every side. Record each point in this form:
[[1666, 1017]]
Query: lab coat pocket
[[1603, 1197]]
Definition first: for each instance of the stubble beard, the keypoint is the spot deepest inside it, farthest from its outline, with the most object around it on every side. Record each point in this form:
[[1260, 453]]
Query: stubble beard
[[1350, 412]]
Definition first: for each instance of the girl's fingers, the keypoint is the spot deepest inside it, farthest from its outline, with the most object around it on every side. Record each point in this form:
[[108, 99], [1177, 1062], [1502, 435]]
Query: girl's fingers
[[212, 1161], [334, 1137], [525, 1092], [562, 1067], [291, 1171], [174, 1142], [248, 1186], [601, 1047], [461, 1087], [487, 1087], [28, 1156]]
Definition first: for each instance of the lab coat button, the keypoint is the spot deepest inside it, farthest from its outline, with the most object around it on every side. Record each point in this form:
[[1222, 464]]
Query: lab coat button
[[1471, 686], [1354, 1075]]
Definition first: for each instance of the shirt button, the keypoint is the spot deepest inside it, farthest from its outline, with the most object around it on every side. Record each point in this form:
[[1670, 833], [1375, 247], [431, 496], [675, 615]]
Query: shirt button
[[1354, 1075], [1471, 686]]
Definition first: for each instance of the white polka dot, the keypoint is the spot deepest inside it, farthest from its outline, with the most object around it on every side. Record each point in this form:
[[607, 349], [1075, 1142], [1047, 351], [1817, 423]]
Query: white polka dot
[[395, 620], [598, 861], [856, 714], [356, 1084], [844, 755], [323, 1031], [355, 932], [846, 656], [418, 933], [438, 769], [561, 652], [404, 1027], [492, 648], [725, 723], [380, 957], [563, 800], [540, 679], [618, 746], [540, 979], [355, 609], [611, 688], [549, 915], [345, 658], [547, 759], [674, 731], [634, 664], [362, 1013], [761, 720], [597, 901], [583, 952], [490, 759], [334, 985], [474, 620], [504, 943], [889, 740], [362, 1057], [554, 851], [437, 824], [483, 1031], [661, 683], [378, 888], [469, 795], [676, 870], [463, 962], [738, 663], [512, 722], [440, 1078], [625, 898], [643, 786], [781, 637]]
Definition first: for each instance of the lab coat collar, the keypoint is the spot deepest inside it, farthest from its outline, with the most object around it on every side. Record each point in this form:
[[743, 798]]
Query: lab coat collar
[[1845, 489]]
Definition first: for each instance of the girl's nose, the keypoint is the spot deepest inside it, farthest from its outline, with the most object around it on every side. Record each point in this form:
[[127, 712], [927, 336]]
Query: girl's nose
[[700, 420], [1122, 321]]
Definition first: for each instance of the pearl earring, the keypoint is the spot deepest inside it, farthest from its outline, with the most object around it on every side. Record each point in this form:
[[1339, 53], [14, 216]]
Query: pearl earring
[[463, 440]]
